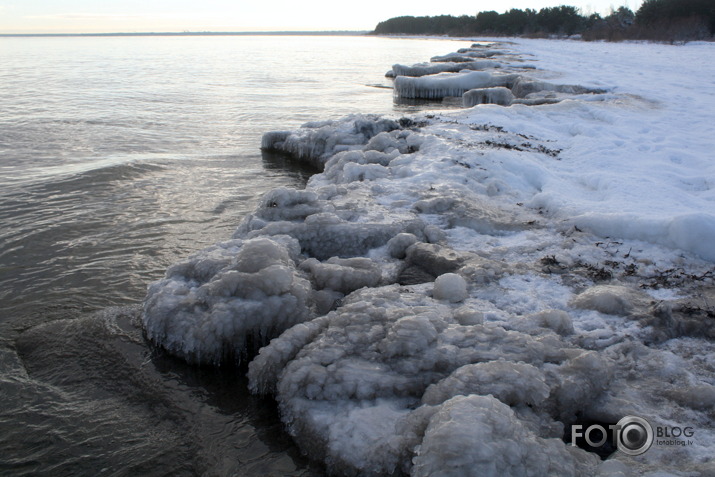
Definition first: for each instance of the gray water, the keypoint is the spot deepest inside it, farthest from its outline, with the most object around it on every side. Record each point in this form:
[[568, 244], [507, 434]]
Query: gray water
[[119, 156]]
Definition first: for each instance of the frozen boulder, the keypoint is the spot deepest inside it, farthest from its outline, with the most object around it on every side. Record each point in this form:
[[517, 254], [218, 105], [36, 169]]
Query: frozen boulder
[[450, 287], [397, 246], [227, 300], [498, 95], [448, 84], [424, 69], [343, 275], [511, 383], [481, 436], [317, 142]]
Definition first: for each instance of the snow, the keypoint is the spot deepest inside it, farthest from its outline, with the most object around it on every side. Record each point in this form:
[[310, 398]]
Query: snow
[[456, 289]]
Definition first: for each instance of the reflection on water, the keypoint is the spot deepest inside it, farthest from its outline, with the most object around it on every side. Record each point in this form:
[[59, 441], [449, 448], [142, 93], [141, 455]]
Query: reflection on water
[[119, 157]]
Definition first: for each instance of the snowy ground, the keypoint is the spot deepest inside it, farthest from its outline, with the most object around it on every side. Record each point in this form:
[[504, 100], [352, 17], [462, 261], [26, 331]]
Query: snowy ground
[[456, 290]]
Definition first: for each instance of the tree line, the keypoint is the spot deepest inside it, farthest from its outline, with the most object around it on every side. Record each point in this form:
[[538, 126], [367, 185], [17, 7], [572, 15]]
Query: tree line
[[662, 20]]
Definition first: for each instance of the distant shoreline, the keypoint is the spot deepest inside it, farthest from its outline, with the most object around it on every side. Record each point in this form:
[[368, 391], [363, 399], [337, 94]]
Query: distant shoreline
[[190, 33]]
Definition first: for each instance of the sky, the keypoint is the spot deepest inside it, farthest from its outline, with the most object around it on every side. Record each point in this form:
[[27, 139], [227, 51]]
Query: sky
[[103, 16]]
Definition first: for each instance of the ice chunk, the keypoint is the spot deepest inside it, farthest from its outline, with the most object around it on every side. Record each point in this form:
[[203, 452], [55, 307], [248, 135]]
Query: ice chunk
[[481, 436], [435, 259], [499, 95], [224, 301], [511, 383], [450, 287], [448, 84], [315, 143], [610, 299], [340, 238], [424, 69], [397, 245], [343, 274], [375, 357], [523, 87]]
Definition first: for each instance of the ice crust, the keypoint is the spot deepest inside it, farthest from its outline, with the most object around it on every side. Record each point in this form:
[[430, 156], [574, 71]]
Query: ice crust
[[455, 290]]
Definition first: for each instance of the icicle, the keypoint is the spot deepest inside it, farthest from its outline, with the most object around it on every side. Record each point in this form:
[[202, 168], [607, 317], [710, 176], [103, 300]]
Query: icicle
[[448, 84]]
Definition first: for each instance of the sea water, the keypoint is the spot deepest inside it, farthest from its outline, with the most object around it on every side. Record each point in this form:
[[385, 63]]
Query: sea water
[[118, 157]]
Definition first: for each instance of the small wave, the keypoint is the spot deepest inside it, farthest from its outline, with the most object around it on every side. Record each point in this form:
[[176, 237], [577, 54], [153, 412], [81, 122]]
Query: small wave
[[113, 167]]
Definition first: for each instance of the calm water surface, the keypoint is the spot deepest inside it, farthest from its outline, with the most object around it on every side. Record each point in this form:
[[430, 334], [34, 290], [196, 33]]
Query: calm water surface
[[119, 156]]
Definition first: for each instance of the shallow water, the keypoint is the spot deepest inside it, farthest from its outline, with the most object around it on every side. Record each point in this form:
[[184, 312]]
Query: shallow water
[[119, 156]]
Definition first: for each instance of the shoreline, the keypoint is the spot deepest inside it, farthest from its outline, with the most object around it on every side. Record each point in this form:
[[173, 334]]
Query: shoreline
[[470, 276]]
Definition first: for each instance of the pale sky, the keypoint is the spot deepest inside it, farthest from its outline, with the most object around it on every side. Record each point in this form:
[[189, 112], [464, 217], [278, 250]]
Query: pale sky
[[102, 16]]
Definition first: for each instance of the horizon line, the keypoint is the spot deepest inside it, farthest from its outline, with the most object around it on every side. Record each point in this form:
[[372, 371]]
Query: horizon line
[[198, 33]]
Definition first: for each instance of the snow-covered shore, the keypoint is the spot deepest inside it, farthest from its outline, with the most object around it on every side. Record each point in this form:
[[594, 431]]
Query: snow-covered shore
[[457, 289]]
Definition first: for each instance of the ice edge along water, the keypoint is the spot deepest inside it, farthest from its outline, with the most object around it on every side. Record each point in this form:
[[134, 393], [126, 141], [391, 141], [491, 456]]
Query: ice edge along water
[[437, 301]]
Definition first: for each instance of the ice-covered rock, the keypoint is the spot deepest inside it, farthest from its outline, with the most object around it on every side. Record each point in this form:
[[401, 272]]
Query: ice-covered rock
[[375, 371], [496, 378], [227, 299], [316, 142], [397, 246], [424, 69], [448, 84], [450, 287], [343, 275], [481, 436], [498, 95]]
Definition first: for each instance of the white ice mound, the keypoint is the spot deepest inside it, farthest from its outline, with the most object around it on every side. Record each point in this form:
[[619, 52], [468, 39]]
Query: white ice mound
[[481, 436], [498, 95], [423, 69], [226, 297], [316, 142], [450, 287], [448, 84], [323, 226], [365, 389], [343, 275], [610, 299]]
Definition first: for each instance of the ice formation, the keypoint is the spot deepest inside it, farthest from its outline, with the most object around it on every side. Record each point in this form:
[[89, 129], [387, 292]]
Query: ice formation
[[448, 84], [436, 300], [317, 141], [498, 95], [226, 298], [390, 362], [424, 69]]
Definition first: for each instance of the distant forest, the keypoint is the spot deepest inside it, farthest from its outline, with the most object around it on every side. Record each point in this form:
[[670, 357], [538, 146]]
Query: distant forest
[[659, 20]]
